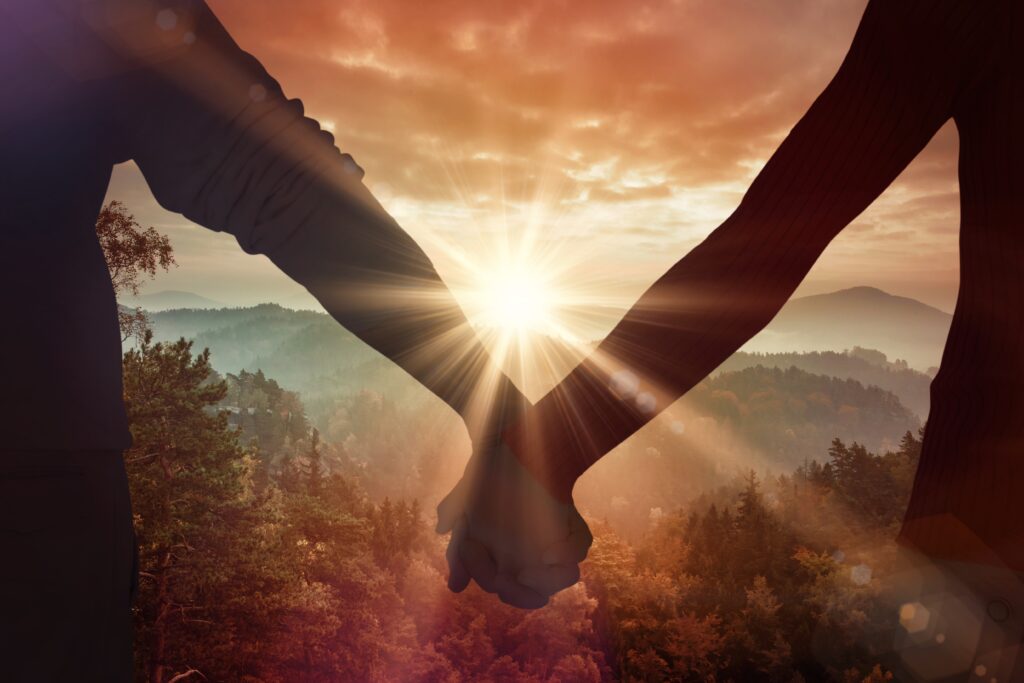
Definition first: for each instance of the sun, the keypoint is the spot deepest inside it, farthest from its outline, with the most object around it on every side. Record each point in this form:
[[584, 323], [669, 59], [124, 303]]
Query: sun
[[517, 301], [519, 310], [528, 285]]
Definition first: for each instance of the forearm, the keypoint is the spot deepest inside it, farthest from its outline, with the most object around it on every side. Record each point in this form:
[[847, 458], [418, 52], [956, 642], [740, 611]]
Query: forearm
[[218, 141], [683, 327], [373, 278]]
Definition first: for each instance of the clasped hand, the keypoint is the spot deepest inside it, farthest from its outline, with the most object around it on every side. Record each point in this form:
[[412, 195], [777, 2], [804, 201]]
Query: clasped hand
[[509, 534]]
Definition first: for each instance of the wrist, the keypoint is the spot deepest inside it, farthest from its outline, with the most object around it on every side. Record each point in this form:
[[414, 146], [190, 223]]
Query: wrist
[[504, 407], [533, 449]]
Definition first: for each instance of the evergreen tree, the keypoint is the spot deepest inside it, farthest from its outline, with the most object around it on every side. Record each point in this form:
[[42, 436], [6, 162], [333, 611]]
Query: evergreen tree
[[193, 507]]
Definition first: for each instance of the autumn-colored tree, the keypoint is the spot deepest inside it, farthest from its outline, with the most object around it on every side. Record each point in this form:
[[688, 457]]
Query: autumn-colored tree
[[758, 631], [264, 412], [193, 511], [271, 553], [132, 254], [395, 533]]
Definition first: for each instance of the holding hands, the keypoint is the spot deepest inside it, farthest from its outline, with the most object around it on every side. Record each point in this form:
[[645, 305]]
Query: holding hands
[[509, 534]]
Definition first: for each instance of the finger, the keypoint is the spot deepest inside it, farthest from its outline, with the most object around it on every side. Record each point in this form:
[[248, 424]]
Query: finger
[[458, 577], [479, 563], [514, 593], [578, 529], [573, 549], [449, 510], [549, 579]]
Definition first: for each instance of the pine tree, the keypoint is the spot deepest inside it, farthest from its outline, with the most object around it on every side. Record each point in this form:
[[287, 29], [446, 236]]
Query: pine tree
[[193, 507]]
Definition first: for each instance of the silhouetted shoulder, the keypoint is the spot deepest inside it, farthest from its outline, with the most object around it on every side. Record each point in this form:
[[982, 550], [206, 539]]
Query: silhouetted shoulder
[[96, 39]]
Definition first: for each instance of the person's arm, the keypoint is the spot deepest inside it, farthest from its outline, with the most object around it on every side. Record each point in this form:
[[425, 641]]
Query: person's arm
[[218, 142], [896, 87]]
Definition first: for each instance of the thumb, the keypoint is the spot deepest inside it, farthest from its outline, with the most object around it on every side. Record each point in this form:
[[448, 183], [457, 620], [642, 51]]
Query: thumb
[[450, 509]]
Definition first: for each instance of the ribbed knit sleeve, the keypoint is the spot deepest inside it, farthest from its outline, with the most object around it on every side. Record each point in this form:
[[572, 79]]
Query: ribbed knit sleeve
[[896, 87]]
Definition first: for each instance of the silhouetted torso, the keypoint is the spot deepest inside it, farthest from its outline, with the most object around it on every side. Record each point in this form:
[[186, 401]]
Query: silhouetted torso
[[973, 461], [61, 354]]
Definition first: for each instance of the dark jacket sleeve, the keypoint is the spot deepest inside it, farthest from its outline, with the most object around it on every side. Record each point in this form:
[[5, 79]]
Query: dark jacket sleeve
[[218, 142], [213, 133], [897, 86]]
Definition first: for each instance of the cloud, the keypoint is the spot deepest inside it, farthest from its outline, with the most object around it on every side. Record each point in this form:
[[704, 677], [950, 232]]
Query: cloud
[[611, 111], [697, 86]]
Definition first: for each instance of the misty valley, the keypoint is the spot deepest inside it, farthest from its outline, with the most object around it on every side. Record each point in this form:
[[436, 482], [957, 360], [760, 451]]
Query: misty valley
[[759, 504]]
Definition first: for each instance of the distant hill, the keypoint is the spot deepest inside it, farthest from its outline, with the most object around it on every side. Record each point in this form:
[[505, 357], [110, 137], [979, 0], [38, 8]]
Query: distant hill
[[270, 319], [770, 412], [768, 419], [309, 352], [170, 299], [303, 301], [304, 351], [870, 368], [900, 327], [789, 414]]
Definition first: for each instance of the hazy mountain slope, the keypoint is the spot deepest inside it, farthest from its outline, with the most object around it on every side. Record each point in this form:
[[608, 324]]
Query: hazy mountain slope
[[902, 328], [862, 316], [309, 352], [911, 386], [767, 419], [304, 351], [233, 332], [746, 415], [170, 299], [791, 415]]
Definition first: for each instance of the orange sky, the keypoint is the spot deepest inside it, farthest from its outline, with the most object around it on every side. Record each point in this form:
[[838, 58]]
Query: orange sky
[[622, 131]]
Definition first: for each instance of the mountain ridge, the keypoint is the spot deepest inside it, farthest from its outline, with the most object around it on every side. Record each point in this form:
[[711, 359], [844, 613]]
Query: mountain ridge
[[901, 327], [171, 299]]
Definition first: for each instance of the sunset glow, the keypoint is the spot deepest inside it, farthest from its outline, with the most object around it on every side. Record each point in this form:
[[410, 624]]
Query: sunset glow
[[642, 124], [523, 312], [517, 301]]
